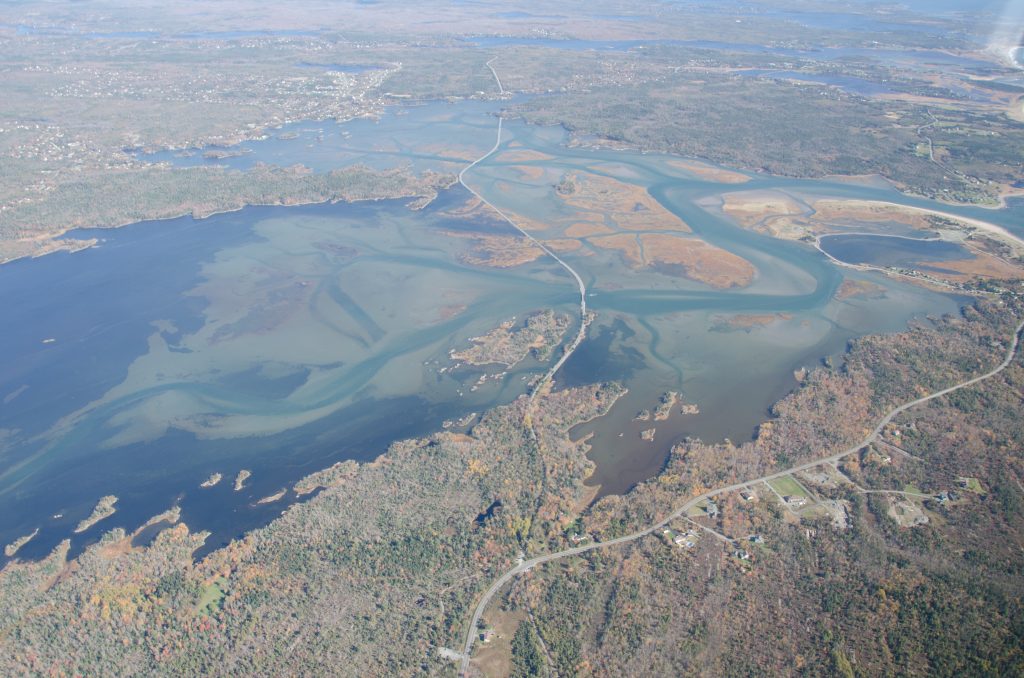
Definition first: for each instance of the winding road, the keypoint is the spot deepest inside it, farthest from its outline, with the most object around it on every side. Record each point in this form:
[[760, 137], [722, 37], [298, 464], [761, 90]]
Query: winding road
[[831, 459]]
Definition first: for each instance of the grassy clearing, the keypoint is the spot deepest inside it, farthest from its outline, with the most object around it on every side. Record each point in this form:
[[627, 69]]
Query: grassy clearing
[[495, 657], [786, 486], [814, 511], [212, 597], [698, 510], [974, 485]]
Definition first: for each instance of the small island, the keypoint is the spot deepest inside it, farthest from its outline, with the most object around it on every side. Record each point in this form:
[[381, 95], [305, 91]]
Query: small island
[[507, 345], [665, 405], [224, 154], [104, 509], [212, 480], [240, 479], [277, 496], [647, 435]]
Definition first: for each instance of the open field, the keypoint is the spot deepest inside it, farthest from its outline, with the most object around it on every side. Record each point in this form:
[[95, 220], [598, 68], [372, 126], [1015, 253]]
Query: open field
[[497, 251], [786, 486], [627, 244], [915, 215], [982, 266], [530, 172], [859, 288], [585, 229], [522, 155], [853, 212], [676, 255]]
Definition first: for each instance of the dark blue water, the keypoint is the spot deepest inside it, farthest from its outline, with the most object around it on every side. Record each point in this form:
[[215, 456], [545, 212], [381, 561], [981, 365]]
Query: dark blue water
[[100, 322]]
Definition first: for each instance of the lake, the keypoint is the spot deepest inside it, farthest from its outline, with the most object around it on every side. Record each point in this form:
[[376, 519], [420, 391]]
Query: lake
[[273, 339]]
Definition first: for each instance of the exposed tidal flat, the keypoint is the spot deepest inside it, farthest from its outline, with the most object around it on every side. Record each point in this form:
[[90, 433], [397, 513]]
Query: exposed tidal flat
[[283, 340]]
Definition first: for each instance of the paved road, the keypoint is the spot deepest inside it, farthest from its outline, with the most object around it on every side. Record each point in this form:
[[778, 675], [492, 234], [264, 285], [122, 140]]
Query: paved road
[[569, 350], [533, 562]]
